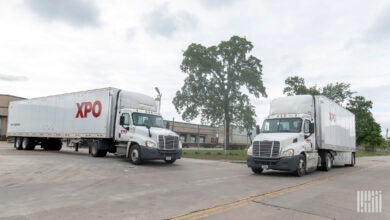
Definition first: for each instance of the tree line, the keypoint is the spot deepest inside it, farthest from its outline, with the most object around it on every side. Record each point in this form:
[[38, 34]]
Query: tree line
[[220, 79]]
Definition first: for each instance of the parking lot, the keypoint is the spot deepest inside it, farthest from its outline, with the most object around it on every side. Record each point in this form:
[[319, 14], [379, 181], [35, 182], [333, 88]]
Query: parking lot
[[73, 185]]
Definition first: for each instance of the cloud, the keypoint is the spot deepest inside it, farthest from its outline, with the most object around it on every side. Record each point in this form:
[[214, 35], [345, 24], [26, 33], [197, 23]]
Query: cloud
[[5, 77], [165, 23], [216, 3], [131, 33], [380, 29], [75, 12]]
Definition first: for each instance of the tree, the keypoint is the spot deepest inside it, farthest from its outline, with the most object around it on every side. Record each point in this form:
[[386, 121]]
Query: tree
[[368, 131], [339, 92], [295, 85], [217, 77]]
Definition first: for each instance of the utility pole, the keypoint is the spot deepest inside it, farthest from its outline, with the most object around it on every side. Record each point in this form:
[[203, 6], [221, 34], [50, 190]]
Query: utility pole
[[158, 99]]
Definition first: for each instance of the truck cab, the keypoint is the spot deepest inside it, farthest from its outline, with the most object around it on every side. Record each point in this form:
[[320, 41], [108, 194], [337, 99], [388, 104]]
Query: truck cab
[[303, 133], [143, 136], [285, 143], [140, 133]]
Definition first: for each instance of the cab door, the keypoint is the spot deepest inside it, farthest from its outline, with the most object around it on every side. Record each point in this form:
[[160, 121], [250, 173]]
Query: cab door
[[123, 133]]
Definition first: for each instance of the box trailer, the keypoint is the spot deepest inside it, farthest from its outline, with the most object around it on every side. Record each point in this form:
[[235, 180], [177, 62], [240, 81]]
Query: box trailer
[[304, 133], [104, 120]]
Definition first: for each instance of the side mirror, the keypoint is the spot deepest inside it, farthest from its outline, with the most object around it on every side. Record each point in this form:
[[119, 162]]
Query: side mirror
[[257, 129], [311, 128]]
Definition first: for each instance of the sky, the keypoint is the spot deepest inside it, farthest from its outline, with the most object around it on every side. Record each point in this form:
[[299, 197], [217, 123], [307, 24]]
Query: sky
[[50, 47]]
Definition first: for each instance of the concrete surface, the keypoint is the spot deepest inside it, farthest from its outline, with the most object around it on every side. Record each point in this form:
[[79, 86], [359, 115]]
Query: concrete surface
[[69, 185]]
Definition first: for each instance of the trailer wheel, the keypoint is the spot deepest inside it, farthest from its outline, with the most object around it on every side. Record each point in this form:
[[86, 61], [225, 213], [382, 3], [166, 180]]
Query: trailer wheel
[[135, 154], [95, 152], [27, 144], [301, 166], [257, 170], [18, 143], [328, 163], [171, 161]]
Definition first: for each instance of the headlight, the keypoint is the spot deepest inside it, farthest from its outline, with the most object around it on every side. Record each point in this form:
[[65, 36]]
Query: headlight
[[288, 153], [249, 152], [180, 145], [150, 144]]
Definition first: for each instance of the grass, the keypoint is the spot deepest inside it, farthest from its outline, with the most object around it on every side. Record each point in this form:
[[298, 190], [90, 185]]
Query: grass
[[372, 153], [240, 155], [212, 154]]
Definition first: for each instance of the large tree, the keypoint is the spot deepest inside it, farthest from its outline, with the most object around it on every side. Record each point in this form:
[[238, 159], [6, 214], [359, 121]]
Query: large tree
[[219, 79]]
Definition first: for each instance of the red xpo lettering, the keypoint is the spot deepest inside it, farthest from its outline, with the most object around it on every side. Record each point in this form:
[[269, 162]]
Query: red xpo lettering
[[88, 107]]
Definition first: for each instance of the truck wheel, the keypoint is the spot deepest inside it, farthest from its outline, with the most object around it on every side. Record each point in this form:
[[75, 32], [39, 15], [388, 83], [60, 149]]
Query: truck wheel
[[135, 154], [353, 161], [18, 143], [27, 144], [301, 166], [257, 170], [95, 152], [327, 164], [171, 161]]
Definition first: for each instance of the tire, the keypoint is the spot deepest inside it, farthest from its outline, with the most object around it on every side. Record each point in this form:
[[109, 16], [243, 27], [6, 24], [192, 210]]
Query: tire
[[27, 144], [328, 163], [98, 153], [257, 170], [353, 160], [301, 166], [171, 161], [135, 154], [96, 150], [18, 143]]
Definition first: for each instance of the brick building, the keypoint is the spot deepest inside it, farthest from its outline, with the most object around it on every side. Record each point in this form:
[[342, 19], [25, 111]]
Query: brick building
[[194, 135]]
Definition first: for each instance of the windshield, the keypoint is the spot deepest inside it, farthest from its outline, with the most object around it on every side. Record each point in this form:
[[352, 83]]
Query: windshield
[[292, 125], [141, 119]]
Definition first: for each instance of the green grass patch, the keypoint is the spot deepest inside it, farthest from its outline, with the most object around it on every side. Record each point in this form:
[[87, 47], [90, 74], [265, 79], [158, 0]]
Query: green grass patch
[[213, 154], [372, 153]]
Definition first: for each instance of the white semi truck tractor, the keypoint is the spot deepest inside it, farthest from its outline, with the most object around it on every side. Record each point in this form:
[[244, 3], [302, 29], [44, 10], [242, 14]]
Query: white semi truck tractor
[[104, 120], [304, 133]]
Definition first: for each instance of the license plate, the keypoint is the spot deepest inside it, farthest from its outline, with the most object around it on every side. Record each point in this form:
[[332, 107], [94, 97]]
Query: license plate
[[264, 166], [168, 158]]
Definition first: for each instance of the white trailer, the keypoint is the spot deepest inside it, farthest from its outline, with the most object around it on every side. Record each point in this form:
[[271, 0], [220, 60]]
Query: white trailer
[[304, 133], [104, 120]]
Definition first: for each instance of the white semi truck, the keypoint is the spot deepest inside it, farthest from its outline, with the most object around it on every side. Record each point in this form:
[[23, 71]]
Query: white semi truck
[[104, 120], [304, 133]]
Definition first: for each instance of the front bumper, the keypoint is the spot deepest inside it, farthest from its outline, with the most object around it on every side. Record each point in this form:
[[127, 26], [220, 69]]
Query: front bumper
[[148, 153], [286, 164]]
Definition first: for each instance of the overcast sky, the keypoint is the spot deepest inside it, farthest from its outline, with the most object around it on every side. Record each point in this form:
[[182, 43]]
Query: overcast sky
[[51, 47]]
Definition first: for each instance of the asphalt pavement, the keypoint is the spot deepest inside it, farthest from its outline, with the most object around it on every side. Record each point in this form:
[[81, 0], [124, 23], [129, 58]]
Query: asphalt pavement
[[73, 185]]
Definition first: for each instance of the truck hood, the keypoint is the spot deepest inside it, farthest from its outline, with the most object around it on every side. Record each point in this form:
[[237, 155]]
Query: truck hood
[[284, 138], [161, 131]]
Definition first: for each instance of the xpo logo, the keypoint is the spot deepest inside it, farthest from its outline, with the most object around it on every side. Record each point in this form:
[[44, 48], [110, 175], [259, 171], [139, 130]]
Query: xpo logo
[[84, 108]]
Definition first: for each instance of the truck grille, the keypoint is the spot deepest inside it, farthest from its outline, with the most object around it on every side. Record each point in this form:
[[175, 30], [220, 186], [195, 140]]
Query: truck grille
[[268, 149], [168, 142]]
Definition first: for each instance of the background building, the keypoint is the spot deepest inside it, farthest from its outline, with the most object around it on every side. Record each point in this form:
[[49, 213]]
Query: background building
[[4, 103], [196, 135]]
